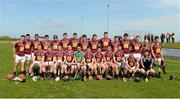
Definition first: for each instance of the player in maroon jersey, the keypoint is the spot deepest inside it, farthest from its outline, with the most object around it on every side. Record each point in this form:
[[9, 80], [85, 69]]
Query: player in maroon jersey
[[37, 60], [74, 41], [105, 42], [89, 63], [70, 61], [158, 55], [125, 44], [55, 43], [108, 61], [99, 62], [19, 54], [84, 43], [48, 63], [65, 41], [136, 48], [28, 51], [35, 44], [94, 43], [146, 46], [119, 62], [115, 43], [45, 43]]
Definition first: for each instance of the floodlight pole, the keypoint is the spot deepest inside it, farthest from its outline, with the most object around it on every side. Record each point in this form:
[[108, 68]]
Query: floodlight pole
[[82, 17], [108, 5]]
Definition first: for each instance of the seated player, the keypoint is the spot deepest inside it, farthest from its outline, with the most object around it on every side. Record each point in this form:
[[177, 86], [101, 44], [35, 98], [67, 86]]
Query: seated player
[[147, 65], [37, 61], [158, 55], [119, 62], [70, 61], [99, 62], [59, 60], [19, 55], [136, 48], [78, 55], [132, 66], [48, 66], [89, 63], [108, 61]]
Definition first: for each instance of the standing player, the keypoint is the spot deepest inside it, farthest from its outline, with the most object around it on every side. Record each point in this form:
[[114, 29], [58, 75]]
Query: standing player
[[19, 55], [28, 51], [158, 55], [45, 43], [119, 61], [55, 43], [147, 65], [35, 44], [105, 42], [74, 41], [84, 43], [37, 60], [115, 43], [65, 41], [125, 44], [89, 63], [136, 48], [146, 46], [94, 43], [99, 62]]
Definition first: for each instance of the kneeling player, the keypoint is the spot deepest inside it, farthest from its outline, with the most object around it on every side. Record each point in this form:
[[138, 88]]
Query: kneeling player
[[132, 66], [147, 65], [37, 61]]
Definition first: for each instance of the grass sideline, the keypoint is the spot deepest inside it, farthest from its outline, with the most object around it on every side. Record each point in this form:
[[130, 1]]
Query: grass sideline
[[155, 88]]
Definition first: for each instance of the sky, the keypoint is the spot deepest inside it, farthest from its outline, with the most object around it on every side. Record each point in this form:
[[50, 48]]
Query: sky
[[136, 17]]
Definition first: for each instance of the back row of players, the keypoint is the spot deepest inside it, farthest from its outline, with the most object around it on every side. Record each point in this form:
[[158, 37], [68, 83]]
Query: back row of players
[[69, 57]]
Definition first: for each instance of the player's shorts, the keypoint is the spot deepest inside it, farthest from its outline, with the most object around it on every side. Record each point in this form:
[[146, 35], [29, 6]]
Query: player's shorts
[[28, 57], [70, 64], [21, 59], [132, 68], [89, 64], [32, 54], [147, 68], [126, 55], [122, 65], [137, 56], [48, 63], [37, 62]]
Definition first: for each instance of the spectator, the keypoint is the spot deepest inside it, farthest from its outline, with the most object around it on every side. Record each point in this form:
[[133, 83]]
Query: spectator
[[152, 38], [173, 37], [168, 37], [162, 37]]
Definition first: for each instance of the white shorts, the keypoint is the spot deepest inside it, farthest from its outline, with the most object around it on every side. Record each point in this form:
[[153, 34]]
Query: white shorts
[[32, 54], [137, 56], [132, 68], [28, 57], [48, 63], [89, 64], [126, 55], [20, 59]]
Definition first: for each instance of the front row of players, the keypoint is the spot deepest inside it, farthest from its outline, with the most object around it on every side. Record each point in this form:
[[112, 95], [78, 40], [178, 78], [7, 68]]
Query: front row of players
[[61, 64]]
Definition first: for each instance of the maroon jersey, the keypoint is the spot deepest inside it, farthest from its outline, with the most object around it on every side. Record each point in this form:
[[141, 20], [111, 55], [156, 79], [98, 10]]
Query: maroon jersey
[[55, 44], [45, 45], [131, 61], [19, 48], [98, 56], [125, 44], [38, 54], [108, 56], [84, 44], [69, 56], [94, 45], [35, 44], [74, 43], [48, 56], [59, 55], [146, 47], [28, 47], [118, 56], [156, 47], [88, 57], [115, 45], [136, 46], [64, 43], [105, 42]]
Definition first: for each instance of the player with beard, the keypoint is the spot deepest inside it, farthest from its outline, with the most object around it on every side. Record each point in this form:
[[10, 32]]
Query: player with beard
[[125, 45], [65, 41], [158, 55], [105, 42], [84, 43], [74, 41], [45, 43], [55, 43], [19, 54], [94, 43], [136, 48]]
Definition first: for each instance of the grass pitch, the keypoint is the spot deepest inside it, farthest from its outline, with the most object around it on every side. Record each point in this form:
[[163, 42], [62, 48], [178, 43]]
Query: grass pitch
[[155, 88]]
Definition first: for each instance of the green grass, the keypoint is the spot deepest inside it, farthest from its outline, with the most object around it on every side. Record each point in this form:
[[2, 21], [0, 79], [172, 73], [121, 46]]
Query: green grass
[[171, 45], [159, 88]]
